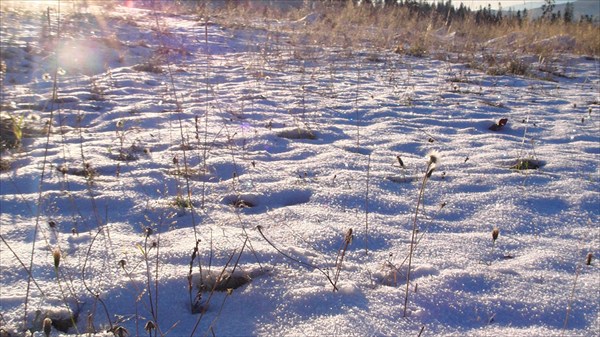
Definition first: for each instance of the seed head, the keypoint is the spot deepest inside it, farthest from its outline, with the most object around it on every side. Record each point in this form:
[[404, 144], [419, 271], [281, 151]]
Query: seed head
[[348, 237], [56, 257], [433, 160], [588, 259], [495, 233], [149, 326], [433, 157], [400, 161], [47, 326], [120, 331]]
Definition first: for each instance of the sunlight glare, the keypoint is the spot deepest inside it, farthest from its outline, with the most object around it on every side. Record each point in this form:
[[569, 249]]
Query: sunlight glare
[[37, 3], [80, 57], [45, 4]]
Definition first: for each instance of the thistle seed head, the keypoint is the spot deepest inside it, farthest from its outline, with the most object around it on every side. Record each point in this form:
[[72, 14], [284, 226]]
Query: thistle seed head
[[433, 157]]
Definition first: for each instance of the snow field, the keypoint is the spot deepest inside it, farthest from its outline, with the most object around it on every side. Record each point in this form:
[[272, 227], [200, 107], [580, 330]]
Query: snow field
[[303, 142]]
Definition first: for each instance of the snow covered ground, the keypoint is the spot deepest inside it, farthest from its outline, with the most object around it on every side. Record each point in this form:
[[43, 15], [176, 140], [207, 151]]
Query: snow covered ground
[[282, 148]]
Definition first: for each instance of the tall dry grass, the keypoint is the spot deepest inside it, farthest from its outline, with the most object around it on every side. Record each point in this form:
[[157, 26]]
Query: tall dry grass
[[350, 25]]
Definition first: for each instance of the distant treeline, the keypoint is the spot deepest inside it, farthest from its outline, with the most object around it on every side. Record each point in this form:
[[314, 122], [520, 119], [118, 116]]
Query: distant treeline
[[482, 15]]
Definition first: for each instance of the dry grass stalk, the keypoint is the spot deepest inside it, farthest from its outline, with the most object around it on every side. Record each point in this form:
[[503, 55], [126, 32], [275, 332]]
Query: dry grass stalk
[[341, 254], [400, 28], [306, 264], [431, 166]]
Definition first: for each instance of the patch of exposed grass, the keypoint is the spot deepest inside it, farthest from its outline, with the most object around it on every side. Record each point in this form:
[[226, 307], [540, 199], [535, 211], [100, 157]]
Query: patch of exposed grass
[[182, 202], [149, 67], [5, 165], [527, 164], [14, 127], [297, 133], [86, 171]]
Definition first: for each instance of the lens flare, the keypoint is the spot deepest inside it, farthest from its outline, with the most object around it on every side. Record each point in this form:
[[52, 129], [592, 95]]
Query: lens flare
[[85, 57]]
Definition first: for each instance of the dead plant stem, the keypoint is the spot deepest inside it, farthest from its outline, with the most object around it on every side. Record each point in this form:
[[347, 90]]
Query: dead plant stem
[[412, 238]]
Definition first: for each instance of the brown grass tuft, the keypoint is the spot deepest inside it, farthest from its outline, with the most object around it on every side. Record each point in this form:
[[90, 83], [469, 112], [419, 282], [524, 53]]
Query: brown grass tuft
[[353, 26]]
